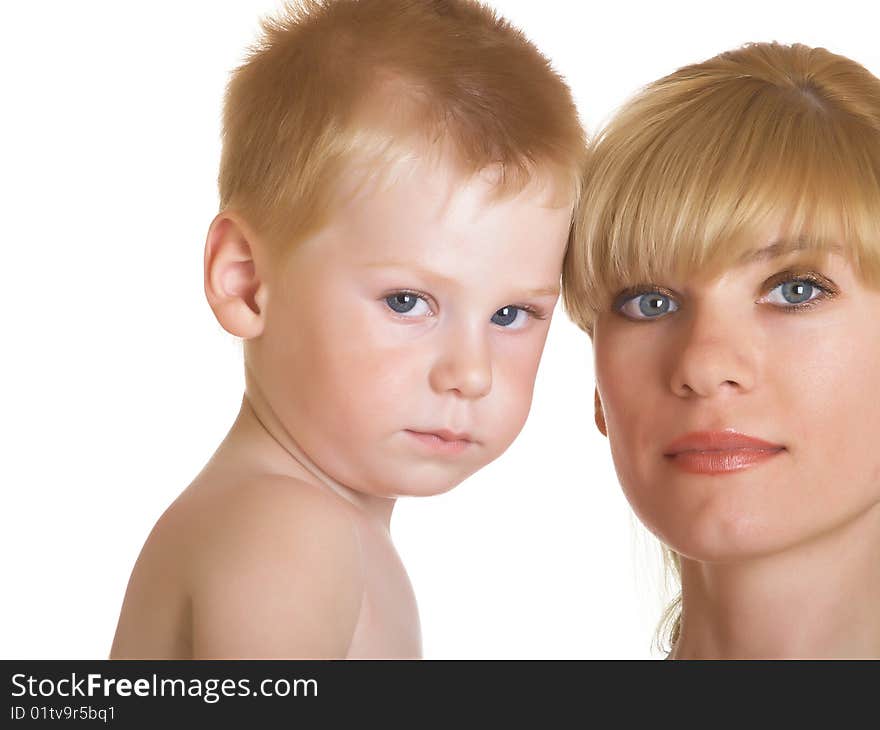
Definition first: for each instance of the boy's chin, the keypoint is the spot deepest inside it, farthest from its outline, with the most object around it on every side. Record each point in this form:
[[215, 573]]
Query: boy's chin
[[424, 483], [428, 490]]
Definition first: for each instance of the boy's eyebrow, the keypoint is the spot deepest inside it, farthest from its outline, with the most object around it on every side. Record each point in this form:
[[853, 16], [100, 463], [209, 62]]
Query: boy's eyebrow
[[544, 291], [541, 291], [414, 268]]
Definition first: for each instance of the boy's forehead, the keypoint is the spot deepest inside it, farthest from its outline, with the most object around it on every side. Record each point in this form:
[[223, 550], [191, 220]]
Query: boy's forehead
[[434, 189], [407, 187], [430, 217]]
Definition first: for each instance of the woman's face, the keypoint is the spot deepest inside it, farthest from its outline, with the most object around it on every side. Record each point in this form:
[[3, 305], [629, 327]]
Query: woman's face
[[743, 411]]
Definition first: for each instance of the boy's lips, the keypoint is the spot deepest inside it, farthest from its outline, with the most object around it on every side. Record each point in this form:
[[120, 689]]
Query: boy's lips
[[719, 452], [442, 440]]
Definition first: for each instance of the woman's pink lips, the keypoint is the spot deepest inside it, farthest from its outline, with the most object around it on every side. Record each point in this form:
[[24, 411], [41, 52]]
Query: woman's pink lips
[[719, 452]]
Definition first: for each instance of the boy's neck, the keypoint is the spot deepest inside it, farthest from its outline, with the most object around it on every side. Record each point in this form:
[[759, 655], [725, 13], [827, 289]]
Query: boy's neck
[[816, 600], [258, 430]]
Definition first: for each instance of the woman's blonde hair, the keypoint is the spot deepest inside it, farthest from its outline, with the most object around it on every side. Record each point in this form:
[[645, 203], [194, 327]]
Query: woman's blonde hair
[[340, 85], [688, 172], [687, 175]]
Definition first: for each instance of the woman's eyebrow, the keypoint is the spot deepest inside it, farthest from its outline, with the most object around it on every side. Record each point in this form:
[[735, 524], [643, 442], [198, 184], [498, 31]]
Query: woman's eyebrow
[[783, 247]]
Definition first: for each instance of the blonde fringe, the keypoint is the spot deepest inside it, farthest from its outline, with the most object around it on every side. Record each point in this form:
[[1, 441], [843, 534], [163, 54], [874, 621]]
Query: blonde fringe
[[690, 172]]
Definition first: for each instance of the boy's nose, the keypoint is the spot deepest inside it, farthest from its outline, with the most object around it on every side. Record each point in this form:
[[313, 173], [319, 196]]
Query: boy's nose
[[464, 366]]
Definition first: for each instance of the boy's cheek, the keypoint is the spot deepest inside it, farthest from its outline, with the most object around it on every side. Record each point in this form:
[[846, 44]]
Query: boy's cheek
[[516, 362], [510, 401]]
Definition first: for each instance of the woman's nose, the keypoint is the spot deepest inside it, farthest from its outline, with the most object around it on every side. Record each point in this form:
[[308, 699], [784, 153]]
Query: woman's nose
[[715, 355]]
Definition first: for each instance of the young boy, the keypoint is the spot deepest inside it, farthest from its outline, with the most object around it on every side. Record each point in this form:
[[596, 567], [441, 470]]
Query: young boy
[[396, 186]]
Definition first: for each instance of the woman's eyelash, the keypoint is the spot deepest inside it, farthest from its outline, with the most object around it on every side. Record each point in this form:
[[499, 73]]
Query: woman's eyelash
[[827, 288], [823, 287], [637, 291], [810, 277]]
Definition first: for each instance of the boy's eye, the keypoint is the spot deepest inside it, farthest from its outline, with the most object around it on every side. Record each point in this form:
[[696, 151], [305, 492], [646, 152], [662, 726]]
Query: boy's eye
[[408, 304], [794, 291], [510, 316], [647, 305]]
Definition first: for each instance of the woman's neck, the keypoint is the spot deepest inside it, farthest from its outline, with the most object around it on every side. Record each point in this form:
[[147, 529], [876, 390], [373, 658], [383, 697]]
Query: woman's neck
[[818, 599]]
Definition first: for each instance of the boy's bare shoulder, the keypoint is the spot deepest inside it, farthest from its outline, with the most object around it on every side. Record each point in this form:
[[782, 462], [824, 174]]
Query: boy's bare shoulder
[[273, 567]]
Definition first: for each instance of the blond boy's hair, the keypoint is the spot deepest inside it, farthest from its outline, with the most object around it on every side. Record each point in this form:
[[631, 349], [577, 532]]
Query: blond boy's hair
[[335, 86], [687, 173]]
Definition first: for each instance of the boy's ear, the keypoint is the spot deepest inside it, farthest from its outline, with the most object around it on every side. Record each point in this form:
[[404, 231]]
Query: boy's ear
[[232, 285], [600, 415]]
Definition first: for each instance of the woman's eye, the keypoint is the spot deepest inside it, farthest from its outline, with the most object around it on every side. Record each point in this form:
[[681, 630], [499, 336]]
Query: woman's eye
[[408, 304], [649, 305], [511, 317], [796, 291]]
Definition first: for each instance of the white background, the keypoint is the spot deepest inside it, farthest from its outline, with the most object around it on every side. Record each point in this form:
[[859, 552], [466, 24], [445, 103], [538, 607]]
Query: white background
[[118, 383]]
